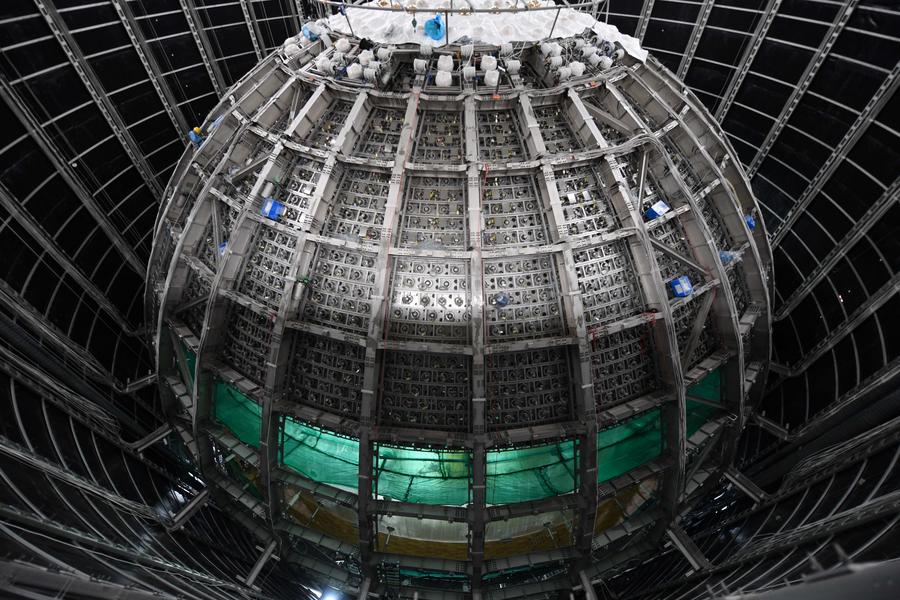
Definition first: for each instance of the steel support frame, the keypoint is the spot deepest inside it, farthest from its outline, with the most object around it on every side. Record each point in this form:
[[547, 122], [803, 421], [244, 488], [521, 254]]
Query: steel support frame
[[831, 36], [374, 358], [758, 351], [203, 46], [644, 20], [27, 457], [282, 336], [688, 548], [373, 366], [860, 229], [868, 114], [151, 66], [90, 80], [476, 515], [746, 61], [48, 245], [668, 359], [726, 306], [696, 34], [872, 304], [89, 542], [61, 165], [23, 311], [255, 36], [746, 485], [20, 579]]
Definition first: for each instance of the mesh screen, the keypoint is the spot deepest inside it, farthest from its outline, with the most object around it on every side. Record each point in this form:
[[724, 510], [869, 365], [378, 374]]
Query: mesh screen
[[530, 473], [238, 413], [423, 475], [319, 455], [431, 476], [709, 388], [628, 445]]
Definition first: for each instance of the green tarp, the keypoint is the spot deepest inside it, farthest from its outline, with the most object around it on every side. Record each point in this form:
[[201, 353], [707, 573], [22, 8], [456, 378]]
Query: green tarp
[[628, 445], [238, 413], [319, 455], [709, 388], [530, 473], [443, 476], [424, 476], [191, 359]]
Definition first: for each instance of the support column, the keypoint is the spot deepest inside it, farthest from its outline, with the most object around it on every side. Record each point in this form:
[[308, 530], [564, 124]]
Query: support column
[[377, 331]]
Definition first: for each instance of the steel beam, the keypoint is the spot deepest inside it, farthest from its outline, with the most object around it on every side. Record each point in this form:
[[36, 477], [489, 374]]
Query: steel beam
[[888, 200], [26, 456], [868, 114], [281, 343], [771, 427], [872, 304], [688, 548], [151, 66], [36, 130], [377, 332], [831, 36], [48, 245], [189, 510], [696, 34], [90, 543], [644, 20], [255, 36], [151, 438], [21, 580], [90, 80], [746, 485], [261, 562], [477, 515], [23, 311], [203, 46], [627, 208], [746, 61]]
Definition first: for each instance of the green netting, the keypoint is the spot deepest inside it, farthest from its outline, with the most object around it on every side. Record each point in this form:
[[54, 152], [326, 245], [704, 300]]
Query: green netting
[[238, 413], [422, 574], [530, 473], [238, 474], [697, 415], [709, 388], [425, 476], [626, 446], [319, 455], [191, 360]]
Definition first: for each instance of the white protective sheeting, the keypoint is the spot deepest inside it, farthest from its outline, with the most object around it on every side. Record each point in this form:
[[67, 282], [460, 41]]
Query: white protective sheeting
[[396, 27]]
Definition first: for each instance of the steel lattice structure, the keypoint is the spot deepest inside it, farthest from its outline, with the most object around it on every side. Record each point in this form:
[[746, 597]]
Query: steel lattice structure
[[449, 276]]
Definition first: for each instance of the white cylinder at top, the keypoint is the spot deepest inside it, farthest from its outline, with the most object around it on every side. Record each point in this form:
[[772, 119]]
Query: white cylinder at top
[[355, 71], [445, 62]]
